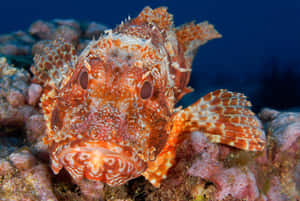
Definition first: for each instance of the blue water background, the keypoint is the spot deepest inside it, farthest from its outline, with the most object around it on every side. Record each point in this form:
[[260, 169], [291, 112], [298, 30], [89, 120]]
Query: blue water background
[[259, 53]]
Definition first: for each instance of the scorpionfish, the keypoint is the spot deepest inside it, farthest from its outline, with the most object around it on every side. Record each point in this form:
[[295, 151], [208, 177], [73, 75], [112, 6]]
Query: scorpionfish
[[110, 110]]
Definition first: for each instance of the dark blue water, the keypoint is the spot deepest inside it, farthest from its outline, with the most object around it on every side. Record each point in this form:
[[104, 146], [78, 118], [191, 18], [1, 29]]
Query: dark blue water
[[259, 53]]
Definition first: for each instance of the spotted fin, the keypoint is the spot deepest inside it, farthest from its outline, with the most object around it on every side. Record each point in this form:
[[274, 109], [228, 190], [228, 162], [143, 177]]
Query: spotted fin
[[192, 35], [157, 170], [53, 64], [224, 117], [158, 16], [52, 68]]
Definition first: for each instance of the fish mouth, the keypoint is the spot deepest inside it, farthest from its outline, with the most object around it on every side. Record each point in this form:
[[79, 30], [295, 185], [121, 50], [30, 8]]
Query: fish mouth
[[102, 161]]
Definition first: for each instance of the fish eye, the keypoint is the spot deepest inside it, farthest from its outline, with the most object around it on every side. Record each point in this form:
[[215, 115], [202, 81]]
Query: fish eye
[[83, 79], [146, 90]]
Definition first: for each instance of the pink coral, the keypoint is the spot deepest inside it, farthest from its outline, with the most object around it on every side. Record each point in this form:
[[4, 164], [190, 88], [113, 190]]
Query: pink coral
[[285, 128], [235, 182], [67, 33], [35, 127], [240, 184], [13, 89], [42, 29], [205, 167], [34, 93], [282, 154], [207, 164], [22, 160], [274, 193], [275, 172]]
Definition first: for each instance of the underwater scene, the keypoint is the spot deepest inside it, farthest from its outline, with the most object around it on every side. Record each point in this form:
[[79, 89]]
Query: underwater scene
[[150, 100]]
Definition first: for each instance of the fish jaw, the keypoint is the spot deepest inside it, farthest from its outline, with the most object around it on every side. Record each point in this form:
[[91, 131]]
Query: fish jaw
[[99, 161]]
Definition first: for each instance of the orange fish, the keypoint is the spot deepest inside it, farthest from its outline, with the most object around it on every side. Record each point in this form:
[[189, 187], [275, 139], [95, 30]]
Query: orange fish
[[110, 111]]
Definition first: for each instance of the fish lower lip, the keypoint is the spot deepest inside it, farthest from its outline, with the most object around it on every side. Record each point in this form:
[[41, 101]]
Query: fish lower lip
[[102, 161]]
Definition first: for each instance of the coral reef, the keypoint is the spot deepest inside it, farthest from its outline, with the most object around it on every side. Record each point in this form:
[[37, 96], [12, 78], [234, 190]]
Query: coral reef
[[14, 84], [110, 111], [230, 178], [271, 175], [24, 178], [19, 47], [280, 161], [203, 170]]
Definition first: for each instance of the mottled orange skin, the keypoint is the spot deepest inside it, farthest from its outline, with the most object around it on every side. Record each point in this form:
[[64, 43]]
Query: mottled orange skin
[[110, 111]]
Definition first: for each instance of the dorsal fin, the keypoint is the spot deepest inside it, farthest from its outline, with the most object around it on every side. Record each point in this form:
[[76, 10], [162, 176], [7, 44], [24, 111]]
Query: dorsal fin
[[52, 68], [192, 35], [54, 63], [159, 16]]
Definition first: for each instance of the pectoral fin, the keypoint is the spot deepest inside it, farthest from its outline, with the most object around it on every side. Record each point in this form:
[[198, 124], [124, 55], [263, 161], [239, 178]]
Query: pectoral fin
[[224, 117]]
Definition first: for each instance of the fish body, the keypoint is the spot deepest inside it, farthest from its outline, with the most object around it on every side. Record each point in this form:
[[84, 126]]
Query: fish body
[[110, 111]]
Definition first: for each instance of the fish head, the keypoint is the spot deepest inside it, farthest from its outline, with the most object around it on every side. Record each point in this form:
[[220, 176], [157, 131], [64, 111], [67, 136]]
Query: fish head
[[110, 116]]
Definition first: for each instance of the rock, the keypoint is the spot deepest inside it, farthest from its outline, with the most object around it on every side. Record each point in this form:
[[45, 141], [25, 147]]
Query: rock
[[43, 30]]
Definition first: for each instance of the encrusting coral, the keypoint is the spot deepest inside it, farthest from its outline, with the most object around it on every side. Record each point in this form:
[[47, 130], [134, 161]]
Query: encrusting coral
[[270, 175], [201, 171], [280, 162], [24, 178], [14, 84]]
